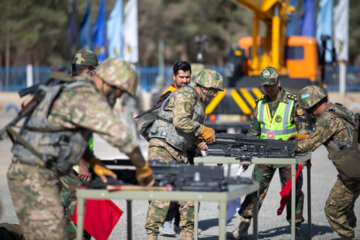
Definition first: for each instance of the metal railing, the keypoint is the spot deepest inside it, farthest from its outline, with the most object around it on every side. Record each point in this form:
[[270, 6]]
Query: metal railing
[[14, 78]]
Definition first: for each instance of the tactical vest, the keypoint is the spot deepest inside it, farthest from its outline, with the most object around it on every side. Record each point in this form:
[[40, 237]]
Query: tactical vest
[[164, 128], [347, 117], [59, 148], [345, 155], [279, 126]]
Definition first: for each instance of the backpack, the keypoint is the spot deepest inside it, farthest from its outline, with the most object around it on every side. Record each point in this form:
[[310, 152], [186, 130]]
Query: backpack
[[347, 161], [146, 119]]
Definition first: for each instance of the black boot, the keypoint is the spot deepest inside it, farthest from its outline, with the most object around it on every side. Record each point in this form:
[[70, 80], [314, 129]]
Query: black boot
[[298, 234], [240, 233]]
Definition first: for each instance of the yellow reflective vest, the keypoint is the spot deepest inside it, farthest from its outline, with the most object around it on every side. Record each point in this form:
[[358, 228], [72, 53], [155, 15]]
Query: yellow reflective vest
[[279, 126]]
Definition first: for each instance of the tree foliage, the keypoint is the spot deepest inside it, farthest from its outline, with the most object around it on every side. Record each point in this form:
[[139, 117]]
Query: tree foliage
[[35, 31]]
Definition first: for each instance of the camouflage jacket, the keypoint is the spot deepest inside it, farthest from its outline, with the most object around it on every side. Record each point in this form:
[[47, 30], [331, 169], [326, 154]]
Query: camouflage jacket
[[330, 131], [298, 115], [87, 107], [182, 104]]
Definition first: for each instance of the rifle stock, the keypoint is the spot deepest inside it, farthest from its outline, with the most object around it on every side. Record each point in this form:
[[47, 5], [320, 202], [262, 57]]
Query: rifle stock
[[26, 109]]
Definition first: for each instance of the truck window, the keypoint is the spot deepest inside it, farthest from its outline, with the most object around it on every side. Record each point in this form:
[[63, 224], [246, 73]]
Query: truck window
[[294, 53]]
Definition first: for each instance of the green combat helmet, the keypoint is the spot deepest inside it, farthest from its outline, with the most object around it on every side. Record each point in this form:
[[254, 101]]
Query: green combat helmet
[[120, 74], [309, 96], [210, 79], [85, 58], [269, 76]]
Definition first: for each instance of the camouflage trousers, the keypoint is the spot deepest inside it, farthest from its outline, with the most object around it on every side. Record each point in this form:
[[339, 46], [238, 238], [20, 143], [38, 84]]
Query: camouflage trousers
[[157, 210], [35, 194], [69, 184], [263, 174], [339, 207]]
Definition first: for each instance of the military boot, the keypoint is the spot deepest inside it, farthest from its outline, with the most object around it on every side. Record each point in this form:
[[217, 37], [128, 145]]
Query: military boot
[[298, 234], [240, 233], [152, 237]]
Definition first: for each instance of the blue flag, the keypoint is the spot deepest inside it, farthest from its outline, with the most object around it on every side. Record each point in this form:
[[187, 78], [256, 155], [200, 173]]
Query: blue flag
[[71, 30], [292, 25], [85, 28], [324, 25], [307, 21], [99, 37], [114, 30]]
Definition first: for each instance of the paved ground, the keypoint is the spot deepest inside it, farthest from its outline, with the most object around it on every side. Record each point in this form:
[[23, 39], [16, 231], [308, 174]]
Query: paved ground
[[271, 226]]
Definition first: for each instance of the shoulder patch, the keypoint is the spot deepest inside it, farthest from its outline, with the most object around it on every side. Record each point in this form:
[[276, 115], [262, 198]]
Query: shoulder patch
[[291, 96]]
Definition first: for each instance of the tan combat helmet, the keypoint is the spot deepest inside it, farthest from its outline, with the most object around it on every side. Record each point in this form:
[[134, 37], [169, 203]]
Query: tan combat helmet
[[210, 79], [311, 95], [120, 74]]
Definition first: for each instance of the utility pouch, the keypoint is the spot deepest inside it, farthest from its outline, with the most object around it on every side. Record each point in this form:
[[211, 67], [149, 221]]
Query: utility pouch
[[347, 162], [145, 122]]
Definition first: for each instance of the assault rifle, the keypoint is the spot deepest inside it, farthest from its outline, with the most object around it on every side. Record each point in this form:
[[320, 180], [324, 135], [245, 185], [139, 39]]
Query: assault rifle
[[26, 109], [245, 147], [179, 176], [38, 95]]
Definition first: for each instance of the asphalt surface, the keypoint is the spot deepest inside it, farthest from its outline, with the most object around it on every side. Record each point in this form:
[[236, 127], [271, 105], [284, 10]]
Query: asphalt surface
[[271, 226]]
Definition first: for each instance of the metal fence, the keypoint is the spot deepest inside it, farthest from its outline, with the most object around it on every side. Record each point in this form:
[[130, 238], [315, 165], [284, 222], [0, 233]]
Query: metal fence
[[15, 78]]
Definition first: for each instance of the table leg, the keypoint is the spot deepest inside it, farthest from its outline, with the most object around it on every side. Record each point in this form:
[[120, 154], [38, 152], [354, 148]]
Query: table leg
[[80, 218], [196, 219], [308, 165], [255, 200], [293, 196], [222, 219], [129, 219]]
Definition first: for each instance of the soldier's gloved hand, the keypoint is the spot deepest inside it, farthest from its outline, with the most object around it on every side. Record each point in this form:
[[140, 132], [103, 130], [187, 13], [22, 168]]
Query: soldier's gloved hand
[[208, 134], [199, 142], [100, 170], [297, 136], [145, 175]]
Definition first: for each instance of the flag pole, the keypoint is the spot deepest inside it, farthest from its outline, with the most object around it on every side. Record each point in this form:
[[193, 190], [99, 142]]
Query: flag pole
[[342, 77]]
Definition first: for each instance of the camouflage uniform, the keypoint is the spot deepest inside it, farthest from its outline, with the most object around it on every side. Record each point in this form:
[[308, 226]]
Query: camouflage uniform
[[332, 131], [183, 104], [83, 59], [264, 173], [33, 186]]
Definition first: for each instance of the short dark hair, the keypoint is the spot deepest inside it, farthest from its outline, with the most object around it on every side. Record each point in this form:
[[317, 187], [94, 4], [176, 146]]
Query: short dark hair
[[181, 65]]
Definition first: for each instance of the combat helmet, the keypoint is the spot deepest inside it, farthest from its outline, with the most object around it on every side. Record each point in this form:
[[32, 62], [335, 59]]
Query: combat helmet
[[269, 76], [210, 79], [311, 95], [120, 74]]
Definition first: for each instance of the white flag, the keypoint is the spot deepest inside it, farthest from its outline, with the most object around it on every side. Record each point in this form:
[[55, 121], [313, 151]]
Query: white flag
[[341, 30], [130, 32]]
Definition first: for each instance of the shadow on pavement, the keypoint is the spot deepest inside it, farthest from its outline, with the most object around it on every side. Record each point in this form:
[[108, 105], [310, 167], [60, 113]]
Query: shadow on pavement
[[285, 230], [208, 223]]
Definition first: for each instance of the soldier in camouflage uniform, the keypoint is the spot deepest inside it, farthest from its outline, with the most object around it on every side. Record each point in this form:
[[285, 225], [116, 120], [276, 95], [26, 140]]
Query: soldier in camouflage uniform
[[276, 116], [180, 125], [55, 136], [84, 62], [335, 129]]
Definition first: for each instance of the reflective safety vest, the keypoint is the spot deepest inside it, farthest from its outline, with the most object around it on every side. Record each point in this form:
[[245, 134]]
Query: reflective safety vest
[[279, 126]]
